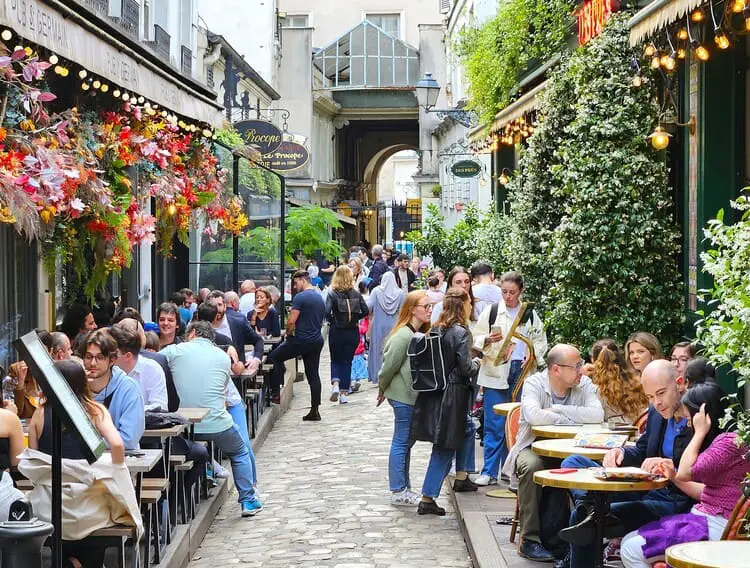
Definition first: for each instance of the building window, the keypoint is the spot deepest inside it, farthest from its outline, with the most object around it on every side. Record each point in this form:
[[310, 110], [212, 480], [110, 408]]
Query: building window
[[389, 23], [296, 21]]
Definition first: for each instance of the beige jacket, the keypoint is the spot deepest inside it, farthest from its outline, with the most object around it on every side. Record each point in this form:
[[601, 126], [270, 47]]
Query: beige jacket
[[95, 496], [496, 376]]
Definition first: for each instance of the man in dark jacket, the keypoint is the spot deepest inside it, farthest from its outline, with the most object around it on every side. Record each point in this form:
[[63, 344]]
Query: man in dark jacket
[[379, 267], [660, 447], [404, 277]]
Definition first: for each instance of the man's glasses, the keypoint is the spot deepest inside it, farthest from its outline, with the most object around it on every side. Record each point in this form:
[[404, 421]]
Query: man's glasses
[[100, 358], [578, 366]]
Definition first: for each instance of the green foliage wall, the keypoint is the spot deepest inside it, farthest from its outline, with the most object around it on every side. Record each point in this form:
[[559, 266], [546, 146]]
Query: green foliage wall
[[497, 53]]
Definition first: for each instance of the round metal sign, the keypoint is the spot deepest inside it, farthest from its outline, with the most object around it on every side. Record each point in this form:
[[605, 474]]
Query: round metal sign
[[287, 157], [466, 169], [263, 135]]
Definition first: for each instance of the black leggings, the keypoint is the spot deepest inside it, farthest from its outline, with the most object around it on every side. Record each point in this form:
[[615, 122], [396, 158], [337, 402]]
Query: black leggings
[[310, 353]]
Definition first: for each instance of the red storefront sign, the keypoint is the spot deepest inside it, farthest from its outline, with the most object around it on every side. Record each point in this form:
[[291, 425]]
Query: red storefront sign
[[592, 15]]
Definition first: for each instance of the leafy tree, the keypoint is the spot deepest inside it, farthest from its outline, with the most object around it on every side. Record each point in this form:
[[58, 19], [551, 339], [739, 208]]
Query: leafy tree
[[308, 229], [613, 260]]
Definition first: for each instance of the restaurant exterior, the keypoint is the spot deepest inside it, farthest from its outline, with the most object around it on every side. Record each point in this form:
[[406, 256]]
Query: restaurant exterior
[[88, 80]]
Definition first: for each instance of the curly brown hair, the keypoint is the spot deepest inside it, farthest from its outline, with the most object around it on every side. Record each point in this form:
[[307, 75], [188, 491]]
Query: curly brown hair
[[618, 386]]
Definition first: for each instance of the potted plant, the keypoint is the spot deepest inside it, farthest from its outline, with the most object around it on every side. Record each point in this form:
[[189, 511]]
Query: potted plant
[[436, 190]]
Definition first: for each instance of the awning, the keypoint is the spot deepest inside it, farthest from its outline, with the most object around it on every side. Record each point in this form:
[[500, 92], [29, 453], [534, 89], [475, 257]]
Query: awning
[[517, 109], [103, 55], [657, 15], [343, 218]]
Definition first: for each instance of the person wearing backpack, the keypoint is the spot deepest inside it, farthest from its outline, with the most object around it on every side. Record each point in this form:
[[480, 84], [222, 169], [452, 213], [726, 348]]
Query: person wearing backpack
[[442, 416], [345, 306], [395, 384]]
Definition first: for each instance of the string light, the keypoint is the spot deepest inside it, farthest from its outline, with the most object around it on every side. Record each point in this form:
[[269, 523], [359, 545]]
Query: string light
[[721, 39], [116, 93], [668, 62], [681, 53], [655, 62], [53, 59], [125, 97], [682, 34], [697, 16], [96, 84], [85, 86], [105, 88], [649, 50], [140, 100], [7, 35], [82, 74], [738, 6], [637, 81], [701, 52]]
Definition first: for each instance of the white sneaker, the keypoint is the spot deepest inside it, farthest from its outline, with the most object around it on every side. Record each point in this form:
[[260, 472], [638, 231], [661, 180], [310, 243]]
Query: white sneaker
[[334, 393], [220, 471], [404, 498], [484, 479], [342, 398]]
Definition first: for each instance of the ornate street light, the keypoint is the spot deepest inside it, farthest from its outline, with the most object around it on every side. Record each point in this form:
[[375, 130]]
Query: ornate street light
[[428, 90]]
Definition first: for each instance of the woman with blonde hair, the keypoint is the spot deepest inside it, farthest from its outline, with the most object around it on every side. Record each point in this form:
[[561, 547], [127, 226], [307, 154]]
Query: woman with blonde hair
[[442, 417], [394, 384], [358, 273], [345, 306], [640, 349], [620, 391]]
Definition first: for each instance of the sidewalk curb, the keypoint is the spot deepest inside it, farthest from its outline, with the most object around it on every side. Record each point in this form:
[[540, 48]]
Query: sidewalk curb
[[477, 534]]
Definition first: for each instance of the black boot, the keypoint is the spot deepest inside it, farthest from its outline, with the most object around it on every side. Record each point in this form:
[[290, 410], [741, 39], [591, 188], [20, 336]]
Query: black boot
[[312, 416]]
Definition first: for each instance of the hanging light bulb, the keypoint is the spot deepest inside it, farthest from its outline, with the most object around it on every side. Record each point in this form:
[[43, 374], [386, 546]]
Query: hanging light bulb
[[96, 84], [116, 93], [700, 51], [105, 88], [82, 74], [655, 62], [721, 39], [207, 133], [746, 15], [65, 72], [637, 81], [698, 15], [125, 97], [53, 59], [659, 138], [668, 62], [681, 53], [140, 100], [649, 50], [682, 34], [7, 35], [738, 6], [85, 86]]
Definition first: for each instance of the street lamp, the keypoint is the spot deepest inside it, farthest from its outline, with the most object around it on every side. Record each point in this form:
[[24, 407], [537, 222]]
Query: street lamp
[[428, 90]]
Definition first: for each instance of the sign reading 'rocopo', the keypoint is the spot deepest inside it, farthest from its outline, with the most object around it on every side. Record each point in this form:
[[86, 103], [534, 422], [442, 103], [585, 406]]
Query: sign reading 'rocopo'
[[466, 169], [261, 134], [592, 15], [287, 157]]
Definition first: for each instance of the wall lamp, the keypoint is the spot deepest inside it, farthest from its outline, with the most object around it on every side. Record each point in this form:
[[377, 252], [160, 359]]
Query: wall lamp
[[659, 138], [428, 91]]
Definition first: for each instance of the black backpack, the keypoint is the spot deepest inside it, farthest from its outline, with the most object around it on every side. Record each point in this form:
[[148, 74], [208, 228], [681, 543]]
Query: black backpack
[[426, 361], [347, 310]]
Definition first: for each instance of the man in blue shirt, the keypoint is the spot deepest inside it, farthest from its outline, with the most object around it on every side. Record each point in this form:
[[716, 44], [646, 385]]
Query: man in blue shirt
[[665, 438], [201, 374], [303, 338], [111, 387]]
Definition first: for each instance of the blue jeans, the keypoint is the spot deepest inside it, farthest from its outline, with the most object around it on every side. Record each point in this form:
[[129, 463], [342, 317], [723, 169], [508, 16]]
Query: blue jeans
[[442, 458], [400, 455], [230, 442], [633, 508], [495, 448], [237, 412], [342, 343]]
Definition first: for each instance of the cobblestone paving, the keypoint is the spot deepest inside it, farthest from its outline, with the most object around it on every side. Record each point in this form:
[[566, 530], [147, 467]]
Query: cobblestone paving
[[326, 501]]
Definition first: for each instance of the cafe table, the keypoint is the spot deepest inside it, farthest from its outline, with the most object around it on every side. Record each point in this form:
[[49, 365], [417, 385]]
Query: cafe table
[[570, 430], [563, 447], [584, 479], [137, 466], [710, 554], [505, 408], [193, 416]]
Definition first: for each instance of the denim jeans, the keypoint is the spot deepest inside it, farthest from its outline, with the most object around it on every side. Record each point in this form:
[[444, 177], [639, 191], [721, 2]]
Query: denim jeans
[[231, 443], [442, 458], [310, 353], [237, 412], [400, 455], [495, 448], [342, 343], [633, 508]]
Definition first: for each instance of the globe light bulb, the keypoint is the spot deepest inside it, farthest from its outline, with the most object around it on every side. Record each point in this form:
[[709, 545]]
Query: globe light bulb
[[96, 84], [125, 97], [637, 81], [682, 34], [85, 86], [649, 50], [721, 39], [7, 35], [655, 62], [53, 59], [698, 15], [116, 93], [82, 74], [738, 6], [659, 138], [668, 62], [105, 88], [702, 53]]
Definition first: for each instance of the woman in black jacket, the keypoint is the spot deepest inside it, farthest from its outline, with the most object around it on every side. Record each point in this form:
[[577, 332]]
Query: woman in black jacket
[[345, 306], [442, 417]]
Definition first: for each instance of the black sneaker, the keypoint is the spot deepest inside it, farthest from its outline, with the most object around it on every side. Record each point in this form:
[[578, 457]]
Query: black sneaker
[[535, 551], [464, 485], [430, 508], [312, 416]]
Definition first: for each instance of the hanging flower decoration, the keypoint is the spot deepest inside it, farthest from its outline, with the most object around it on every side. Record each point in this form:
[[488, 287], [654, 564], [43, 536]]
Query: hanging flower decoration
[[82, 183]]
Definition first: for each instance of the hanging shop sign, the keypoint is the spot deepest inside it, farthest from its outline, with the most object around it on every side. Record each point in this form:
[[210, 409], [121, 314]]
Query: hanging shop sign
[[259, 133], [45, 26], [466, 169], [592, 15], [287, 157]]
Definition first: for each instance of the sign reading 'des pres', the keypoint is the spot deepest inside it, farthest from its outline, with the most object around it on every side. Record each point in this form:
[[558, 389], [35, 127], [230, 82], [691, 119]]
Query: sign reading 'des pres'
[[466, 169], [261, 134], [287, 157], [592, 15]]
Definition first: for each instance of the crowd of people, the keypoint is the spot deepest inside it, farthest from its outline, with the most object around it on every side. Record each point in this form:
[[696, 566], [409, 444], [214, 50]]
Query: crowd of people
[[371, 307]]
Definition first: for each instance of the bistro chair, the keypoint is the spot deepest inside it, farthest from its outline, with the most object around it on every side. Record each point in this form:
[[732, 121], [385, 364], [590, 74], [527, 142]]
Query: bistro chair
[[511, 433]]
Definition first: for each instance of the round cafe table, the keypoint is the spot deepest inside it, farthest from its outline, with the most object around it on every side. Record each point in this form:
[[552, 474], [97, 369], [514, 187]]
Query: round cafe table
[[710, 554], [584, 479], [563, 447], [504, 408], [570, 431]]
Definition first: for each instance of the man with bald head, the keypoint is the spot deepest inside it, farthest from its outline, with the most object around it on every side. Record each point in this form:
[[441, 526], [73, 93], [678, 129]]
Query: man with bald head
[[661, 445], [247, 298], [558, 395]]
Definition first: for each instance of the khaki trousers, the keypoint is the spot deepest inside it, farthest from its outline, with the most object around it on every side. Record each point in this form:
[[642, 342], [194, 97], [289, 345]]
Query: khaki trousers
[[530, 493]]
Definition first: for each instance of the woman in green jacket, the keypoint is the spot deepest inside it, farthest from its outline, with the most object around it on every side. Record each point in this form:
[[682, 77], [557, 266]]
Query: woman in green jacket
[[394, 384]]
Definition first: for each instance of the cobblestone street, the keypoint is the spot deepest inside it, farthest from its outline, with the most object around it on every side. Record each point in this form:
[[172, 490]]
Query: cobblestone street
[[326, 500]]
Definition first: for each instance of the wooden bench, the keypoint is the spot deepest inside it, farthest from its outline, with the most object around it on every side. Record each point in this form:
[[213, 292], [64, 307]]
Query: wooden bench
[[185, 495]]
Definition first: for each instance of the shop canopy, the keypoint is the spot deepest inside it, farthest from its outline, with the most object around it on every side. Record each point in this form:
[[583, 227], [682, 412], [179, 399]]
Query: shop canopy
[[657, 15], [513, 111], [68, 35]]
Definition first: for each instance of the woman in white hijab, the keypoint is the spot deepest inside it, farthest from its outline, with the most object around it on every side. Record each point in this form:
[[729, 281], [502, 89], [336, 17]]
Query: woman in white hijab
[[384, 303]]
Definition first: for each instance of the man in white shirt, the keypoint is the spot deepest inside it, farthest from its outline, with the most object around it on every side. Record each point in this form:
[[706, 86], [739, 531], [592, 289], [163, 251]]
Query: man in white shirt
[[483, 287], [147, 373], [247, 297], [216, 299]]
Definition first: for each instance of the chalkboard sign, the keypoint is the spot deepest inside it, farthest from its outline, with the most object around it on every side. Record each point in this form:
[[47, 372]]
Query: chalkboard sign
[[65, 403], [466, 169]]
